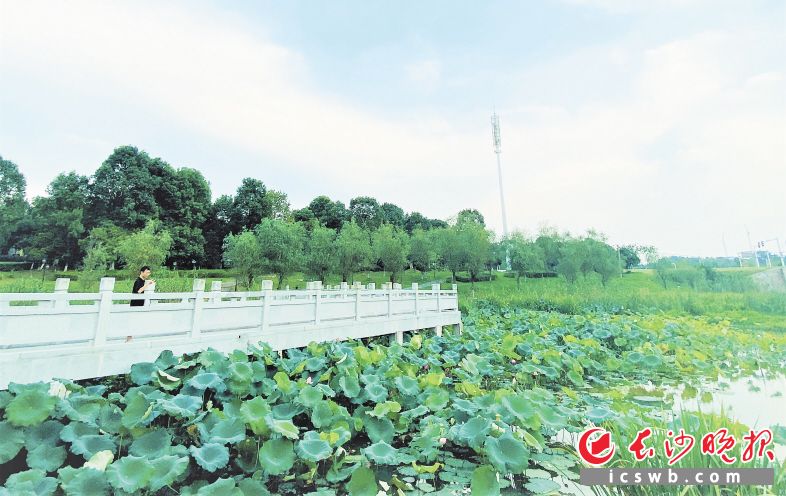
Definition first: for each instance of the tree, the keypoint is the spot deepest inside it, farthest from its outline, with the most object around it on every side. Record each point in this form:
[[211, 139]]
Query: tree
[[391, 247], [630, 256], [449, 249], [304, 215], [126, 190], [422, 251], [216, 228], [250, 205], [279, 205], [185, 205], [603, 259], [525, 256], [392, 214], [320, 252], [550, 243], [242, 253], [352, 249], [58, 218], [416, 220], [572, 256], [470, 214], [13, 206], [329, 213], [366, 212], [104, 244], [475, 247], [280, 247], [150, 246]]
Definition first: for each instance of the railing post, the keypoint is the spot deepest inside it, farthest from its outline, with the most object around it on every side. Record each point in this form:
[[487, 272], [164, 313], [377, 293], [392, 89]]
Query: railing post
[[215, 291], [318, 297], [105, 288], [436, 288], [267, 295], [438, 330], [357, 303], [61, 292], [390, 302], [199, 302], [417, 298]]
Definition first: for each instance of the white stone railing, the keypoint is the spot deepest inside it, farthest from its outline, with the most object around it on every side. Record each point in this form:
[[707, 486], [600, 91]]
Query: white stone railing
[[83, 335]]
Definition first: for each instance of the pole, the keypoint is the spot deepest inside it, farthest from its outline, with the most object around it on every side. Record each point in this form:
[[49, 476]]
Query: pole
[[780, 252], [750, 243]]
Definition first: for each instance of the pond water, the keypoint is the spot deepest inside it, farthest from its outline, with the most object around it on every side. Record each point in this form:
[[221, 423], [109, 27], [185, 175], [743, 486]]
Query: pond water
[[754, 401]]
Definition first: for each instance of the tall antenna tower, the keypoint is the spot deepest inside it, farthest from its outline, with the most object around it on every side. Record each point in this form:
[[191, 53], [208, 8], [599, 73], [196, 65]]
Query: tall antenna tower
[[498, 150]]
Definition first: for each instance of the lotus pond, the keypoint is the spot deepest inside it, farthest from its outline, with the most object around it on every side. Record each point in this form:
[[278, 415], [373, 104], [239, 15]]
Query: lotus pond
[[475, 412]]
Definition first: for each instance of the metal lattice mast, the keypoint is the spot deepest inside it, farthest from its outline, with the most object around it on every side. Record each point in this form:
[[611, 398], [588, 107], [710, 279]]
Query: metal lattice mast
[[498, 151]]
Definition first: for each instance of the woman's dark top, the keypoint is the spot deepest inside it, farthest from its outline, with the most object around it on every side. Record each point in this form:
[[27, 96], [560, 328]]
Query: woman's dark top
[[137, 286]]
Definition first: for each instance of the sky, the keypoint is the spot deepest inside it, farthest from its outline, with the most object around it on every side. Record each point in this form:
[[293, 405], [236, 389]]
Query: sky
[[657, 123]]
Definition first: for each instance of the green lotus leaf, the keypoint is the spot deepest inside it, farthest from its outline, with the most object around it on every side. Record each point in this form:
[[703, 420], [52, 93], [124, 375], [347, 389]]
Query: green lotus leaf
[[542, 486], [166, 359], [283, 382], [110, 418], [465, 406], [139, 410], [349, 385], [83, 481], [130, 473], [379, 429], [45, 433], [247, 455], [142, 373], [484, 481], [520, 407], [210, 457], [11, 441], [253, 412], [382, 453], [474, 431], [284, 427], [166, 470], [221, 487], [634, 357], [167, 381], [210, 358], [310, 396], [46, 457], [507, 454], [76, 430], [152, 444], [418, 411], [313, 448], [362, 483], [376, 393], [82, 408], [437, 399], [383, 409], [5, 399], [252, 487], [181, 406], [277, 456], [227, 431], [30, 407], [207, 380], [240, 375], [652, 361], [87, 446], [286, 411], [31, 482], [550, 417], [407, 385], [599, 414], [575, 377]]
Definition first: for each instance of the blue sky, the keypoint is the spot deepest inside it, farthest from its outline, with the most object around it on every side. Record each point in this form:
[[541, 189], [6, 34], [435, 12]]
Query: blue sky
[[655, 122]]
